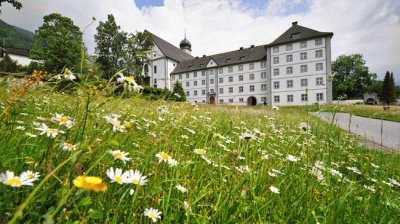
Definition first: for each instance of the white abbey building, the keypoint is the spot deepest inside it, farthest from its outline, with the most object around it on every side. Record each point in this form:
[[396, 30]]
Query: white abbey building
[[292, 70]]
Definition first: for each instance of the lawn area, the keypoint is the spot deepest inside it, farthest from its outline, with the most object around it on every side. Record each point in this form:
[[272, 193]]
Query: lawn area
[[183, 163], [370, 111]]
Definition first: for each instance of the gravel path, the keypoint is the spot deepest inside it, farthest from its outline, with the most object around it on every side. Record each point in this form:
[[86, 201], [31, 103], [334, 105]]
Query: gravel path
[[379, 132]]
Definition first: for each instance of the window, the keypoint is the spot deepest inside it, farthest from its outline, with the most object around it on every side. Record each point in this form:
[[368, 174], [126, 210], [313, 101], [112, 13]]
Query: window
[[263, 75], [276, 71], [319, 81], [187, 93], [212, 90], [240, 77], [303, 82], [263, 87], [203, 92], [289, 98], [180, 76], [303, 44], [252, 88], [318, 42], [230, 100], [230, 89], [230, 69], [289, 58], [240, 68], [241, 100], [275, 49], [251, 76], [276, 85], [221, 90], [211, 81], [195, 93], [155, 69], [221, 80], [220, 70], [187, 84], [221, 101], [289, 47], [303, 56], [263, 99], [263, 64], [240, 89], [212, 72], [203, 82], [187, 75], [195, 74], [230, 79], [251, 66], [276, 60], [320, 96], [319, 67], [172, 77], [289, 83], [195, 83], [304, 97], [276, 99], [303, 68], [289, 70], [318, 53], [203, 73]]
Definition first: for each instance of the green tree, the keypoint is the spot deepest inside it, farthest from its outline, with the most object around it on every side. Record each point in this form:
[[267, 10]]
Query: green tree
[[16, 4], [388, 94], [178, 94], [58, 42], [351, 76], [110, 46], [375, 87], [7, 64]]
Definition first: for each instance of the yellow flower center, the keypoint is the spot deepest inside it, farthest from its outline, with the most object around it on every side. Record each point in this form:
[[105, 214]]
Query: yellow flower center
[[135, 181], [118, 155], [130, 78], [152, 215], [201, 151], [164, 155], [14, 181], [118, 179], [69, 145], [63, 119], [218, 134], [30, 176], [51, 130]]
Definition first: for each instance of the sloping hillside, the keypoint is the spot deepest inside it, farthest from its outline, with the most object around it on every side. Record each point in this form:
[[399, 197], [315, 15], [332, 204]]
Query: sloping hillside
[[15, 36]]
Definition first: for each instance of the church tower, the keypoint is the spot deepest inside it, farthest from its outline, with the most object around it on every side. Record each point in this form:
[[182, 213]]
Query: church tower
[[186, 46]]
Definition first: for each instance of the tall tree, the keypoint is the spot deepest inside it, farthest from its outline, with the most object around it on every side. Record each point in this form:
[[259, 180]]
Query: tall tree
[[58, 43], [110, 43], [178, 94], [388, 94], [351, 76], [16, 4]]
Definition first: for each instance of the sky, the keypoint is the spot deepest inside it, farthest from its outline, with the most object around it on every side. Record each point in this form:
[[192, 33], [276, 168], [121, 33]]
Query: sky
[[369, 27]]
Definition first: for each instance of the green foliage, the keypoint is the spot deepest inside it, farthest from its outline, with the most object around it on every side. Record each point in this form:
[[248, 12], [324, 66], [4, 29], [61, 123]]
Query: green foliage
[[156, 93], [375, 87], [388, 94], [33, 65], [58, 42], [178, 94], [15, 37], [8, 65], [110, 44], [135, 52], [16, 4], [351, 76]]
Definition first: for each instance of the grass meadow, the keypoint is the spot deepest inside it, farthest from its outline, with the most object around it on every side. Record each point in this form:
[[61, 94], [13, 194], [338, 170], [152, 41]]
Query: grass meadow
[[183, 163]]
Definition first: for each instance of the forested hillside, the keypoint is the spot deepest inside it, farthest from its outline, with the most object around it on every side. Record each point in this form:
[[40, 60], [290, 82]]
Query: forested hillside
[[15, 36]]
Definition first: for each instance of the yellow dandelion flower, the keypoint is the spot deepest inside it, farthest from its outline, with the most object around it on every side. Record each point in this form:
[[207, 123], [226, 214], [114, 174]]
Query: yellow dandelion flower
[[90, 183]]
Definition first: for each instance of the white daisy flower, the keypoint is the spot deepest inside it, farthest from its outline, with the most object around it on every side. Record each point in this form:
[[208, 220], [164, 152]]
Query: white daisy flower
[[163, 156], [118, 154], [116, 175], [68, 146], [200, 151], [63, 120], [274, 190], [181, 188], [50, 132], [135, 177], [292, 158], [26, 179], [153, 214]]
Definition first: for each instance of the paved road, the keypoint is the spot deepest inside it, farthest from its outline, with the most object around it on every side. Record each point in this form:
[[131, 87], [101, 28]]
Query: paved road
[[383, 133]]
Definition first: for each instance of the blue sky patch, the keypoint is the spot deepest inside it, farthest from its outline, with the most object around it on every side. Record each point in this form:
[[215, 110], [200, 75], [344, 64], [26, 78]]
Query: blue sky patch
[[148, 3]]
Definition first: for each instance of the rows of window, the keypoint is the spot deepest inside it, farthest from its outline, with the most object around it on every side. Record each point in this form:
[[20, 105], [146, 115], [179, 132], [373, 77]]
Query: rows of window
[[303, 98], [219, 70], [319, 81], [229, 79], [303, 44], [303, 56], [240, 89], [303, 68]]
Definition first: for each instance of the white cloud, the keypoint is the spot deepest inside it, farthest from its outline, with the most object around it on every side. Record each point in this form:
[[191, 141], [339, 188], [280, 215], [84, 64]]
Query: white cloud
[[370, 27]]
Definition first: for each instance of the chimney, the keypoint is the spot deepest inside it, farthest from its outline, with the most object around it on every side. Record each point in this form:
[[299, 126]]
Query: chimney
[[294, 23], [204, 55], [241, 48], [252, 46]]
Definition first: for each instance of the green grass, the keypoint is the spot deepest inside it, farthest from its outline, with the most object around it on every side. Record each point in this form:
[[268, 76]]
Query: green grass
[[370, 111], [222, 191]]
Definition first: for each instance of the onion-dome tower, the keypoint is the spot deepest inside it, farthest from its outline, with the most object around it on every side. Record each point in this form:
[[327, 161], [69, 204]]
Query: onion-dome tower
[[185, 45]]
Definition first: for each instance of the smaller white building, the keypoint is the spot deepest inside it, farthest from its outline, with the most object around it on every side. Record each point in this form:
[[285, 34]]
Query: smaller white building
[[17, 54]]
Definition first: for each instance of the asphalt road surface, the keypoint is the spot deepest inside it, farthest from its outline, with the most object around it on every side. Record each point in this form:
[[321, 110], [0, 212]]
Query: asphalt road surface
[[379, 132]]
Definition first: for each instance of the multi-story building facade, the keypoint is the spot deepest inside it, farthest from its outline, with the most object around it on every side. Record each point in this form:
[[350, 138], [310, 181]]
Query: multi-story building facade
[[292, 70]]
